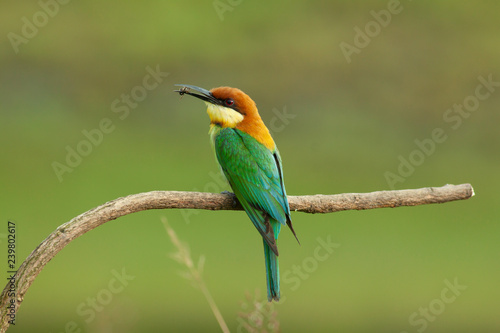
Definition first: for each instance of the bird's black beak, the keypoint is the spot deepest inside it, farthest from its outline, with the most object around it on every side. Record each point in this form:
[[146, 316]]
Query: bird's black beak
[[202, 94]]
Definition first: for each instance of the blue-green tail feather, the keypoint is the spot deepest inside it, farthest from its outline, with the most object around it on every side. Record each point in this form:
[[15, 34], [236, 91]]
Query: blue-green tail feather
[[272, 273]]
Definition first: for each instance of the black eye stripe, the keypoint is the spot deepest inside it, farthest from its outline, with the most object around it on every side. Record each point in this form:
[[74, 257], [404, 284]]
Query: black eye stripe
[[230, 103]]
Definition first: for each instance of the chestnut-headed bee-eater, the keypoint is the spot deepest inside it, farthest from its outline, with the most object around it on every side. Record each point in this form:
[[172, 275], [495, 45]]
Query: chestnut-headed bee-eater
[[251, 163]]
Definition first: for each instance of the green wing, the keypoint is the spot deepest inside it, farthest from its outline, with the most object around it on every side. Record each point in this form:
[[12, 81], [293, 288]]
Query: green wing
[[255, 175]]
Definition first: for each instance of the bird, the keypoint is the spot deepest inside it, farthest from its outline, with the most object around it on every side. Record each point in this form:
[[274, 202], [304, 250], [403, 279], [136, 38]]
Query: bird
[[251, 163]]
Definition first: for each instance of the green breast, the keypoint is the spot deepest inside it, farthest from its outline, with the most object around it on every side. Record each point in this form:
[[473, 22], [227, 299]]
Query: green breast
[[253, 171]]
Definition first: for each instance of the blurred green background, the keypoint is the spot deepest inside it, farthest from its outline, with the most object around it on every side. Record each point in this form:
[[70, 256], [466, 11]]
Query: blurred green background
[[348, 124]]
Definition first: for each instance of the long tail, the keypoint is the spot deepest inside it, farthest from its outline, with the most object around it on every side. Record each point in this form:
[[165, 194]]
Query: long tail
[[272, 273]]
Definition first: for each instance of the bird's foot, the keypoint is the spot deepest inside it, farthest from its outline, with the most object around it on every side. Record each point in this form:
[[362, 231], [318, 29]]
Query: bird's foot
[[233, 196]]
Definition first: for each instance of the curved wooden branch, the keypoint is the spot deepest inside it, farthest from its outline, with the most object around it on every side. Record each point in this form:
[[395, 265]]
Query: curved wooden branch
[[111, 210]]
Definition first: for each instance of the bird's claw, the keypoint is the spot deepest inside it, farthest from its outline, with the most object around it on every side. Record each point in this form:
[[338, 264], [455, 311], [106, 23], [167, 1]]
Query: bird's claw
[[235, 201]]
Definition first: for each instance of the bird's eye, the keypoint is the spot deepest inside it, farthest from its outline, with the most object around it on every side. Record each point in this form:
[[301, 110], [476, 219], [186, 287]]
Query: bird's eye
[[229, 102]]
